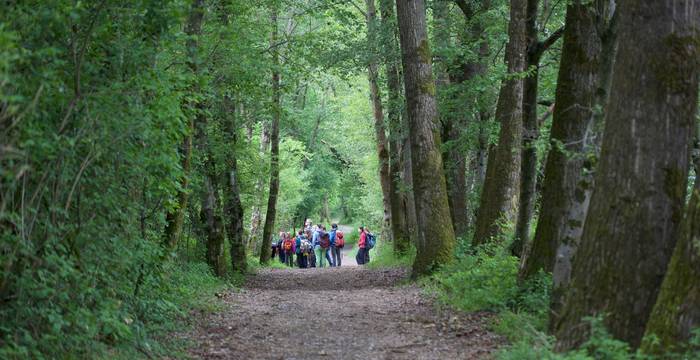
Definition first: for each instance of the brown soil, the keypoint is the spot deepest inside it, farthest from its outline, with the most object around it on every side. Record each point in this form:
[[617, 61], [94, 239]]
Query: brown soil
[[339, 313]]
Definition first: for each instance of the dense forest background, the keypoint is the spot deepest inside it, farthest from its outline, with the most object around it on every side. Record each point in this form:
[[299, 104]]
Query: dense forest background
[[150, 149]]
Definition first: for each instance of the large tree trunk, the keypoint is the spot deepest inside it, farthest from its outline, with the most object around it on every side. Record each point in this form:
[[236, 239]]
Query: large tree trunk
[[399, 226], [436, 238], [499, 199], [379, 128], [265, 250], [233, 208], [175, 218], [636, 208], [677, 310], [581, 87]]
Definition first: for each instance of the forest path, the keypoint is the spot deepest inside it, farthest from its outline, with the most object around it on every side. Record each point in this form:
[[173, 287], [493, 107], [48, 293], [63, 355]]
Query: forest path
[[338, 313]]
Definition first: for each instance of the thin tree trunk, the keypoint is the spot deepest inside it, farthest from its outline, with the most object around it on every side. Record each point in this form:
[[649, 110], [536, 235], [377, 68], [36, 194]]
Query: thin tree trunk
[[175, 218], [436, 238], [452, 123], [531, 130], [213, 223], [265, 250], [399, 226], [636, 208], [233, 207], [499, 199], [255, 215], [379, 127]]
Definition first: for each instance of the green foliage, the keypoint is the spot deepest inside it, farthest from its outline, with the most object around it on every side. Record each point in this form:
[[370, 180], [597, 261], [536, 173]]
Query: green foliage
[[484, 281], [383, 255]]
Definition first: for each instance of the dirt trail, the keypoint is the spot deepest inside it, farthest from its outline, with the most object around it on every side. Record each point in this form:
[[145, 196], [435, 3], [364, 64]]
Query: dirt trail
[[338, 313]]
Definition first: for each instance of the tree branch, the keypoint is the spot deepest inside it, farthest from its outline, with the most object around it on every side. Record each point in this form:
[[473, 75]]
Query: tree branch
[[542, 46]]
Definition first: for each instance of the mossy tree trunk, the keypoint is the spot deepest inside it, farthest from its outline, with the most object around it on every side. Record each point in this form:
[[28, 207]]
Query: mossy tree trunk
[[499, 198], [378, 112], [677, 310], [265, 250], [436, 238], [636, 208], [452, 122], [399, 227], [175, 218], [582, 86], [528, 166], [233, 208]]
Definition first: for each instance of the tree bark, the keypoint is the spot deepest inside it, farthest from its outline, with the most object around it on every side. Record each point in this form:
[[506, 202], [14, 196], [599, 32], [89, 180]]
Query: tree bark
[[378, 111], [213, 223], [233, 207], [531, 130], [452, 124], [436, 238], [399, 226], [677, 310], [567, 188], [255, 215], [265, 250], [636, 207], [499, 199], [176, 217]]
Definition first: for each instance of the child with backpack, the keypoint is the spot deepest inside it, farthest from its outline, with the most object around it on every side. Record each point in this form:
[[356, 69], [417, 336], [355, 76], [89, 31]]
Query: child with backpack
[[302, 250], [337, 244], [288, 246], [319, 234]]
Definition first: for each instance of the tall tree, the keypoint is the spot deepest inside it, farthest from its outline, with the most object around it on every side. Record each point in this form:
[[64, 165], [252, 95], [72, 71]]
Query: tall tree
[[399, 203], [499, 199], [233, 208], [436, 238], [379, 127], [528, 166], [582, 86], [452, 123], [255, 214], [636, 208], [265, 252], [176, 217]]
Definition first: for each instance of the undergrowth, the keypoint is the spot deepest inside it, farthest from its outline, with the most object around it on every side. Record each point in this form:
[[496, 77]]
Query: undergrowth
[[485, 279]]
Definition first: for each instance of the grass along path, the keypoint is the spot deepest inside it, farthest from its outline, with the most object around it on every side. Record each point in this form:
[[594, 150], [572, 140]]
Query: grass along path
[[338, 313]]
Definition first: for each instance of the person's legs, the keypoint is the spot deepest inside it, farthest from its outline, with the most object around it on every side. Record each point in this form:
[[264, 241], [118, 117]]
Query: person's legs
[[360, 257], [366, 256], [337, 256], [334, 261], [319, 257], [328, 256]]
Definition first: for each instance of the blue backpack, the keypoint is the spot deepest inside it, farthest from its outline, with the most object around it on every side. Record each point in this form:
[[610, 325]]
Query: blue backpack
[[371, 240]]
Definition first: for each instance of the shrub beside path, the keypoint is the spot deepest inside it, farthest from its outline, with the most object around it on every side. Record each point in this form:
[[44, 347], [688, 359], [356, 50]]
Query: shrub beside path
[[338, 313]]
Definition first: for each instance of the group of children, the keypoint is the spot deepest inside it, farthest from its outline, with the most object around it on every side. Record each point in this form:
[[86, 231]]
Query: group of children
[[314, 245]]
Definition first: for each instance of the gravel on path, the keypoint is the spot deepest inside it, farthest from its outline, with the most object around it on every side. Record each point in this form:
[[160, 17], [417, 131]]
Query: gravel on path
[[339, 313]]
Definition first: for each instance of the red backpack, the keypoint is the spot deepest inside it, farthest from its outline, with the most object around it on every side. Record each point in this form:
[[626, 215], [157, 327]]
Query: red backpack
[[339, 239], [288, 244]]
